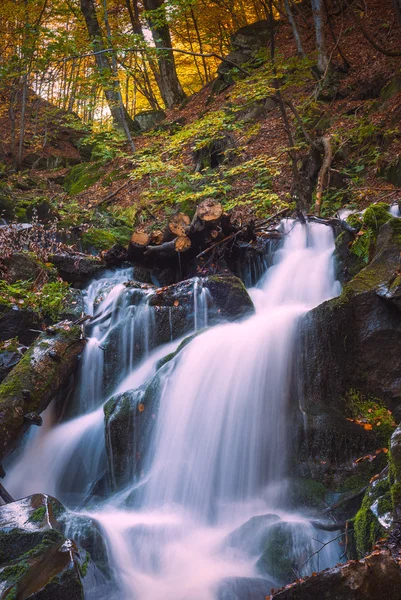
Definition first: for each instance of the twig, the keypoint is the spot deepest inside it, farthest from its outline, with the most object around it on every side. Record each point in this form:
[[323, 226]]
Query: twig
[[328, 157], [114, 194], [320, 549], [347, 499]]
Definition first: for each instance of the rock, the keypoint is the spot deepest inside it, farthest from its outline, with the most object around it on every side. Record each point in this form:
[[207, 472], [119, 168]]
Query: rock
[[149, 119], [245, 43], [115, 256], [74, 306], [24, 324], [375, 516], [286, 548], [130, 419], [348, 263], [36, 559], [214, 153], [392, 172], [244, 588], [395, 448], [10, 355], [34, 382], [250, 538], [76, 268], [21, 266], [255, 110], [375, 577], [346, 343]]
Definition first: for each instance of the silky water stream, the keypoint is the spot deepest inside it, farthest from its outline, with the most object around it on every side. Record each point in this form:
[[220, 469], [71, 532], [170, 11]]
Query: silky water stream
[[207, 518]]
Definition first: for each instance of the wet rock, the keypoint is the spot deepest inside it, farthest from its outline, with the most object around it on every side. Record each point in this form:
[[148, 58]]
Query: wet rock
[[115, 256], [346, 346], [250, 538], [130, 420], [375, 577], [36, 559], [286, 549], [10, 355], [375, 516], [245, 43], [347, 262], [74, 306], [244, 588], [76, 268]]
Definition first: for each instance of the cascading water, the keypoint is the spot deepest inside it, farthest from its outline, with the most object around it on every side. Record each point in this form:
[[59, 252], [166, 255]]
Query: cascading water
[[213, 487]]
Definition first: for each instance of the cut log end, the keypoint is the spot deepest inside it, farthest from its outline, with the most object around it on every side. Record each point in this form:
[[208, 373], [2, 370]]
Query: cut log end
[[140, 238], [209, 210], [157, 237], [182, 243], [179, 224]]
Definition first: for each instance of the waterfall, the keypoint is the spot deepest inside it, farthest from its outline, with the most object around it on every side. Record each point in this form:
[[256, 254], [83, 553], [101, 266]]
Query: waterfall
[[214, 484]]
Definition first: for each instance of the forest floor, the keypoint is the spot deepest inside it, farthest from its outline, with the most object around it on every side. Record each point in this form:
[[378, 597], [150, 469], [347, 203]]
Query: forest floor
[[115, 190]]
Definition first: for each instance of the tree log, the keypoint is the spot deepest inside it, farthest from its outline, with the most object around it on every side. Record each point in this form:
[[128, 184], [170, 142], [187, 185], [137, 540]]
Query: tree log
[[209, 211], [181, 243], [44, 369], [140, 238], [157, 237], [179, 224]]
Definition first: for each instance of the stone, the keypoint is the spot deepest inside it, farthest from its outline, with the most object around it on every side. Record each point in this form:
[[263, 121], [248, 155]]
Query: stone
[[244, 588], [376, 577], [36, 560], [21, 323], [149, 119], [76, 268], [21, 266], [250, 538]]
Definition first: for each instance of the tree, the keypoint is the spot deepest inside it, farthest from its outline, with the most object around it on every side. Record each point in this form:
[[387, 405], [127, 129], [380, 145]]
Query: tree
[[169, 84], [108, 74], [322, 59]]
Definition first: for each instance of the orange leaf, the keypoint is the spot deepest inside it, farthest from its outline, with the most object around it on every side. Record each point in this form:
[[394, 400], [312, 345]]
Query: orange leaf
[[176, 303], [141, 407], [368, 427]]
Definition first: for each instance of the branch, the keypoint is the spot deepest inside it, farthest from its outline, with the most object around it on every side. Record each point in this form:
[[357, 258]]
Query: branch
[[5, 495], [367, 36], [328, 157], [207, 55], [320, 549]]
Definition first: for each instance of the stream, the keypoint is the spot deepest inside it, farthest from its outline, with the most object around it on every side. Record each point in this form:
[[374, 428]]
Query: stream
[[211, 495]]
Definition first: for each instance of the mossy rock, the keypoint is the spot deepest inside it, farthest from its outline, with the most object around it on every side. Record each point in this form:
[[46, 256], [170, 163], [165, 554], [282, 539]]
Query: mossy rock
[[375, 511], [81, 177], [305, 493], [280, 559], [101, 239], [376, 215], [392, 88]]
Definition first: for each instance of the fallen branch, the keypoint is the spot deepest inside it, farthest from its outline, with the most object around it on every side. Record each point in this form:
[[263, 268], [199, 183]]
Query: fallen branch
[[110, 197], [320, 549], [345, 500]]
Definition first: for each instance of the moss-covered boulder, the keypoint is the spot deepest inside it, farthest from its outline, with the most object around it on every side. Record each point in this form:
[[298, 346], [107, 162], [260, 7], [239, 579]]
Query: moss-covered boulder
[[374, 518], [37, 560], [250, 538], [376, 577], [286, 549], [348, 262], [21, 266], [11, 352], [20, 323]]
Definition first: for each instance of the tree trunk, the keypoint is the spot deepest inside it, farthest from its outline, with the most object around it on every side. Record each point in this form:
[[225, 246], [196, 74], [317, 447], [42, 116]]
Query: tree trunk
[[33, 383], [294, 28], [322, 59], [110, 83], [170, 87]]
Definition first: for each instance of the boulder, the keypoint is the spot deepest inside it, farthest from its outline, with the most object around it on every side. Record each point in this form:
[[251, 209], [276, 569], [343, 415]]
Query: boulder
[[346, 344], [37, 560], [129, 421], [246, 42], [377, 577], [10, 355], [21, 266], [22, 323], [244, 588], [149, 119], [76, 268], [250, 538]]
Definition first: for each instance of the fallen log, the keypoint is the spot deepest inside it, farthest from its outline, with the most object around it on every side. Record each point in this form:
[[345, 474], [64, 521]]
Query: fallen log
[[207, 215], [181, 243], [42, 372], [179, 224], [156, 237]]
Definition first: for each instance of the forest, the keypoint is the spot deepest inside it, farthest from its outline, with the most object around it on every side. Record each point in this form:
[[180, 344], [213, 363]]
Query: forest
[[200, 299]]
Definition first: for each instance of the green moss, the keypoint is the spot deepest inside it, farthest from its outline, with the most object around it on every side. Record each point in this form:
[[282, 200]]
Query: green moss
[[48, 300], [370, 413], [81, 177], [83, 568], [184, 343], [38, 514], [12, 573], [376, 215], [367, 529], [306, 493], [98, 239]]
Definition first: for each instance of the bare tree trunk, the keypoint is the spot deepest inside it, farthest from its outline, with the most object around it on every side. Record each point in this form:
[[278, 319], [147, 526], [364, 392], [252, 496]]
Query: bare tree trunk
[[322, 59], [397, 8], [294, 28], [170, 87], [110, 84]]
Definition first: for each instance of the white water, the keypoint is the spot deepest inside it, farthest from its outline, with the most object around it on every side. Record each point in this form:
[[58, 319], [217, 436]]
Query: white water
[[221, 439]]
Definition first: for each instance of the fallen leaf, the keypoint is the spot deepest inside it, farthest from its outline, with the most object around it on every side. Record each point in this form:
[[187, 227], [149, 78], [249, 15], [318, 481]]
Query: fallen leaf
[[368, 427], [141, 407]]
